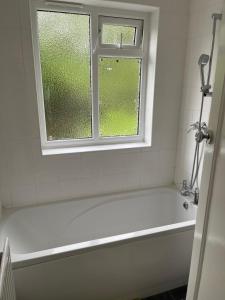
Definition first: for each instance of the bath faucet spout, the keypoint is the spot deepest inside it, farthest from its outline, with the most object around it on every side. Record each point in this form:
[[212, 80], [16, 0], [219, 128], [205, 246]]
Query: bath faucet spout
[[187, 191], [196, 196]]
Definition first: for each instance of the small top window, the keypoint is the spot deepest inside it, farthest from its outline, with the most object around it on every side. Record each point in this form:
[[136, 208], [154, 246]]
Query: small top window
[[120, 32]]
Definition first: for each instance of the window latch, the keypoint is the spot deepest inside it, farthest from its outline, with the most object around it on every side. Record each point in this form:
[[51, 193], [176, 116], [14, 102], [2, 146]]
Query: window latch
[[121, 41]]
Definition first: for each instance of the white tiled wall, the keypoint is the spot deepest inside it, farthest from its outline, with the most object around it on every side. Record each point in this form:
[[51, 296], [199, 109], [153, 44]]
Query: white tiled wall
[[27, 177], [198, 42]]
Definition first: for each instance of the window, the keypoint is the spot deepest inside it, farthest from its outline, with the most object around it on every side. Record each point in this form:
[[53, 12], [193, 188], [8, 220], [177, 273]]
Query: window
[[119, 96], [91, 75], [64, 41], [120, 32]]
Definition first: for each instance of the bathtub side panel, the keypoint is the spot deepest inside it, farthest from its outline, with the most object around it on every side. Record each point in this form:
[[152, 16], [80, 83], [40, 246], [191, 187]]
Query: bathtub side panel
[[138, 269]]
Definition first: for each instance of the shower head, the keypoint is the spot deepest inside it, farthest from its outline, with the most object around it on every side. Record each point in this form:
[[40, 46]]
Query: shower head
[[202, 62], [203, 59]]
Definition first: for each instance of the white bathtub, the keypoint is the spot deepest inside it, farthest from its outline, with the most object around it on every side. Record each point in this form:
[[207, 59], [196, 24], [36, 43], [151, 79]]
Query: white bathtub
[[120, 246]]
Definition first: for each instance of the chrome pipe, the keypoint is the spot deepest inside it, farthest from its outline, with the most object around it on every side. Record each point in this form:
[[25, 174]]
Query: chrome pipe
[[216, 17]]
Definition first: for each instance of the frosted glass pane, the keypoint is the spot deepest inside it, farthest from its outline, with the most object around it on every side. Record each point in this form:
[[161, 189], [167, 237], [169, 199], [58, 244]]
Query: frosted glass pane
[[65, 63], [119, 80], [112, 34]]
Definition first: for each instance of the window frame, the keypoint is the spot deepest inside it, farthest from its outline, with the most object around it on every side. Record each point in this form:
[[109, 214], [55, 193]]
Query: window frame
[[96, 142]]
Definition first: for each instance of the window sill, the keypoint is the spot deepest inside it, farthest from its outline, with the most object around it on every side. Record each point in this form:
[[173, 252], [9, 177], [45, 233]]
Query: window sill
[[82, 149]]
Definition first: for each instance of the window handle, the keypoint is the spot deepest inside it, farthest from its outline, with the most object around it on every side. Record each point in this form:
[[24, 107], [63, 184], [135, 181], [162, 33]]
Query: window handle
[[96, 43], [121, 41]]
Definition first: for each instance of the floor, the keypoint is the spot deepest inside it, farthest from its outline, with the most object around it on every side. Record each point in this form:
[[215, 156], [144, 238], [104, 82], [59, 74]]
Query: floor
[[177, 294]]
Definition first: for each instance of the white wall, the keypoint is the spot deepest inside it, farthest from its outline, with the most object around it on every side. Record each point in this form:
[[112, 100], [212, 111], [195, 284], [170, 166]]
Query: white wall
[[198, 41], [27, 177]]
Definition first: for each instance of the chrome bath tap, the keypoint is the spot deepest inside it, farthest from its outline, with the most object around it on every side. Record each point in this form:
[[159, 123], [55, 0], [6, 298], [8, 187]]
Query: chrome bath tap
[[196, 195], [187, 191]]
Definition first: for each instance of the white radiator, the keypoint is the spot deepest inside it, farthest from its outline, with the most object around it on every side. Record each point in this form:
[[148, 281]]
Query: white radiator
[[7, 287]]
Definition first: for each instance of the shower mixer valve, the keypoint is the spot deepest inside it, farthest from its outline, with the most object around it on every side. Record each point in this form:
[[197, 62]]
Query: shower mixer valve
[[203, 133]]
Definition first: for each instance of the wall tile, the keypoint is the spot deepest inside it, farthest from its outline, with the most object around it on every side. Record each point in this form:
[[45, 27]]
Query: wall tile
[[23, 195]]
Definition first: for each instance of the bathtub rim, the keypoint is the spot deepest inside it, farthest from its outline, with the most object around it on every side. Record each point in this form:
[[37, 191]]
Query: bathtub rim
[[7, 211], [22, 260]]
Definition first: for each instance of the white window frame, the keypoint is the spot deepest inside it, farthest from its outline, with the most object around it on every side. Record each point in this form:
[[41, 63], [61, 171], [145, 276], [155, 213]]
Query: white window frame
[[96, 142]]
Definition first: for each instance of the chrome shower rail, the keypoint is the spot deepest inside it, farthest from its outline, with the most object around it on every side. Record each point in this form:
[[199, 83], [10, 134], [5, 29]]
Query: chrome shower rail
[[202, 132]]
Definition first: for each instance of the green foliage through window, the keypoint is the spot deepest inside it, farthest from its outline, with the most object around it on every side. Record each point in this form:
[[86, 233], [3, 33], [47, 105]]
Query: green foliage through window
[[115, 34], [64, 40], [119, 96]]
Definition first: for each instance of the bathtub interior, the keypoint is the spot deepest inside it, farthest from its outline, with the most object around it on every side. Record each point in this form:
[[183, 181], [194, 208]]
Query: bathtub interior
[[48, 226]]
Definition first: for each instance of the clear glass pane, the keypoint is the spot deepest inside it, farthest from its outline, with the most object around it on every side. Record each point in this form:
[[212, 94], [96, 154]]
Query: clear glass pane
[[118, 34], [64, 40], [119, 86]]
